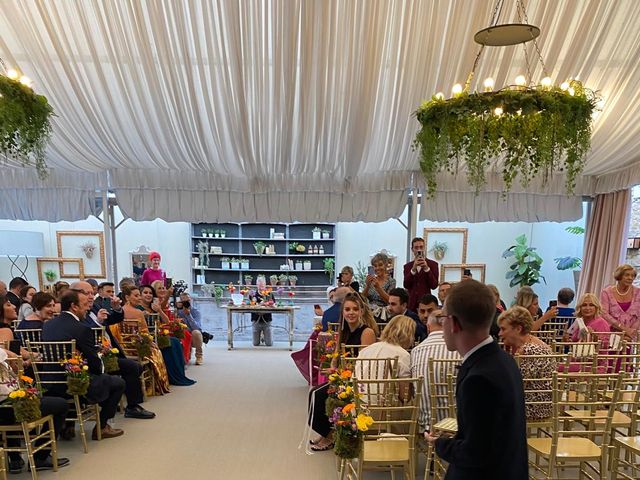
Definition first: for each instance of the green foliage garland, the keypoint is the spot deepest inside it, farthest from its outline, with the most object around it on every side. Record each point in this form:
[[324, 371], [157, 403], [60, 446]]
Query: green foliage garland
[[24, 124], [541, 130]]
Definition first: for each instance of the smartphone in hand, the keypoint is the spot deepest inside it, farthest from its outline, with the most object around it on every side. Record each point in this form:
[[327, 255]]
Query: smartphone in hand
[[553, 303]]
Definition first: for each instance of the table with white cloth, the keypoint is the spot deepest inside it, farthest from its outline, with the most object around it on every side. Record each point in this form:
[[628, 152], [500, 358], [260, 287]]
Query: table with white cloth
[[288, 310]]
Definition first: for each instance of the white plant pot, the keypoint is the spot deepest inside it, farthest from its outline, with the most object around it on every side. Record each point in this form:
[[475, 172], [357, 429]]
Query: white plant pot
[[225, 265], [200, 279], [307, 265], [325, 235], [235, 265], [245, 265], [223, 235], [316, 235], [298, 266], [217, 235]]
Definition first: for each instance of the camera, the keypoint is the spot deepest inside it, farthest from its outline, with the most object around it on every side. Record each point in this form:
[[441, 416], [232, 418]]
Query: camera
[[206, 336], [179, 288], [186, 304]]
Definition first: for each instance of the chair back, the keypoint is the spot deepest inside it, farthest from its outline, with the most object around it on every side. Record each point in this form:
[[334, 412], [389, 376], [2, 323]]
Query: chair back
[[153, 322], [129, 333], [547, 336], [537, 379], [47, 358], [578, 356], [333, 326], [31, 334], [351, 350], [371, 368], [98, 336], [559, 324], [440, 400]]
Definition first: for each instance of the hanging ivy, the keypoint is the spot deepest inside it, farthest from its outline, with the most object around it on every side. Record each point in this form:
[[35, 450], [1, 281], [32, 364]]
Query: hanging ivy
[[540, 131], [24, 124]]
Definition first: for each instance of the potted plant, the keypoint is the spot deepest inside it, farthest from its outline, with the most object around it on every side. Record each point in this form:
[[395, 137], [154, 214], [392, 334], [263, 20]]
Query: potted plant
[[326, 234], [292, 280], [329, 265], [525, 270], [273, 280], [224, 263], [298, 264], [571, 263], [235, 264], [439, 250], [360, 273], [283, 278], [223, 233], [248, 280], [316, 233], [244, 264], [216, 233], [306, 265], [259, 247], [50, 275]]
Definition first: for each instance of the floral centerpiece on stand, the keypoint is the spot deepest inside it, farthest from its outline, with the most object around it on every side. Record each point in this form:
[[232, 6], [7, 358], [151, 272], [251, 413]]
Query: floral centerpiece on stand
[[175, 328], [77, 375], [143, 342], [163, 337], [25, 400], [110, 359]]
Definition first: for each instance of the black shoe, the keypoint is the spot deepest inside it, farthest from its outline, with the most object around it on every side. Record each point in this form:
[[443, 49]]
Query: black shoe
[[47, 463], [138, 412], [16, 466]]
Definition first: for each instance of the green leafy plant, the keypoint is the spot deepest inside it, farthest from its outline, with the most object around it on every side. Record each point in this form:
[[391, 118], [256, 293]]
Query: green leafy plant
[[570, 263], [50, 275], [360, 273], [329, 265], [525, 270], [535, 132], [439, 250], [24, 124]]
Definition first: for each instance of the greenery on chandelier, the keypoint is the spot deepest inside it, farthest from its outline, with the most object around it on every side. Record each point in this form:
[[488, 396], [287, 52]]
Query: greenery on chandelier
[[532, 132], [24, 124]]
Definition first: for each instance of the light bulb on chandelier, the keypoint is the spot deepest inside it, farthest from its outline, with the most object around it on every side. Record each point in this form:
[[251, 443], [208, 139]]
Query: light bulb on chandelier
[[456, 90], [488, 84], [521, 81], [12, 74]]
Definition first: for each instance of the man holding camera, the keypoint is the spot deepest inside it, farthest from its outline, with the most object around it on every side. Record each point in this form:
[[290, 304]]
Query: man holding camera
[[420, 275], [191, 317]]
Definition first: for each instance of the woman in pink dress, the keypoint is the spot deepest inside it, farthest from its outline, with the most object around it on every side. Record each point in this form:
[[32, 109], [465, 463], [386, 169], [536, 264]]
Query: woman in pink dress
[[621, 302], [154, 272], [589, 309]]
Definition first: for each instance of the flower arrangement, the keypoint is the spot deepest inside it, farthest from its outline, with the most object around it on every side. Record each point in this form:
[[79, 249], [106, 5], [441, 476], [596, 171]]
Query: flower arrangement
[[77, 375], [110, 359], [175, 328], [231, 287], [326, 349], [163, 337], [25, 400], [143, 342]]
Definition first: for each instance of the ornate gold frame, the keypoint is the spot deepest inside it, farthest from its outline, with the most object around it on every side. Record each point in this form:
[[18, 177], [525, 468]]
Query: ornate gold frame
[[463, 231], [60, 261], [96, 234], [461, 266]]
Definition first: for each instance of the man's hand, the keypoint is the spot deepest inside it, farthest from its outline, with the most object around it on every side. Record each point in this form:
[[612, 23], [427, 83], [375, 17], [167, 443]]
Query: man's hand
[[116, 303], [102, 315], [186, 311], [431, 439]]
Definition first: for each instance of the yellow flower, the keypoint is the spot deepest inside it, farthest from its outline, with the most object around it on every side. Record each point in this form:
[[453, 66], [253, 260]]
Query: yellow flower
[[114, 350], [165, 332], [85, 367], [363, 422], [333, 377], [13, 394]]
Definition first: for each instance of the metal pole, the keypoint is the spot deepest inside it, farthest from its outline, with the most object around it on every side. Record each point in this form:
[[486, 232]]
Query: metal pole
[[412, 220], [113, 226], [106, 224]]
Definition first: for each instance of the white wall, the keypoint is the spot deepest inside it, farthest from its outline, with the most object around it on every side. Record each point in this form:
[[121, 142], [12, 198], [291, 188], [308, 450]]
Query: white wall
[[486, 242], [356, 242]]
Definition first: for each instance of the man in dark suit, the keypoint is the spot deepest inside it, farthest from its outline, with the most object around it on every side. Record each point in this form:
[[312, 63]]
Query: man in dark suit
[[130, 370], [13, 295], [332, 314], [398, 298], [420, 275], [491, 441]]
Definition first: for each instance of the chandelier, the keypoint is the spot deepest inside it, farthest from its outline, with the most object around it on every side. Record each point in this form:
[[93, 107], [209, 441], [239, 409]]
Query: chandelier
[[24, 120], [527, 130]]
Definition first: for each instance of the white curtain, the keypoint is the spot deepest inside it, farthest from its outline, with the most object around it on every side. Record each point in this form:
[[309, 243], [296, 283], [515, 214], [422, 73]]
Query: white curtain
[[291, 103]]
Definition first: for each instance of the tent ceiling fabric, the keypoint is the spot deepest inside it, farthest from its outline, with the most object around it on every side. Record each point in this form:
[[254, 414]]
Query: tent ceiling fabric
[[294, 109]]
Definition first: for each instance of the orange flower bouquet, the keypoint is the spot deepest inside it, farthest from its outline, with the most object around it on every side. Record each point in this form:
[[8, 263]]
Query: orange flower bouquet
[[77, 375]]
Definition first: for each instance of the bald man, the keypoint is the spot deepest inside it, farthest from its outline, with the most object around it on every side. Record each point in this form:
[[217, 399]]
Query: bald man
[[3, 288]]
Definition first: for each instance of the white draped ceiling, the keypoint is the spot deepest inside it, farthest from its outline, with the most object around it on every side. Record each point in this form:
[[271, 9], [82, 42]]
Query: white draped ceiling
[[293, 109]]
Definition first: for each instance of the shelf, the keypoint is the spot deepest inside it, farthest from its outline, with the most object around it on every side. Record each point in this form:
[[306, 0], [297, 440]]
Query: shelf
[[278, 255], [269, 239], [252, 270]]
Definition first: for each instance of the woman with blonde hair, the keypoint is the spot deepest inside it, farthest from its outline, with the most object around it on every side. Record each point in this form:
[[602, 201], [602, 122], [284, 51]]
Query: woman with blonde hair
[[528, 299], [589, 310], [377, 286], [621, 302], [515, 331], [357, 326], [163, 295]]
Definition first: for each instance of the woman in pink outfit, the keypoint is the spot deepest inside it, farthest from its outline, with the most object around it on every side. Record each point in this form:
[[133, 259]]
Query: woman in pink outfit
[[154, 272], [621, 302]]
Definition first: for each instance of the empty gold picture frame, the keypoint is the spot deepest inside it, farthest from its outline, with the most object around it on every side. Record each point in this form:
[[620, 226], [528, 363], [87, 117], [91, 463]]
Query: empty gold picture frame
[[70, 245]]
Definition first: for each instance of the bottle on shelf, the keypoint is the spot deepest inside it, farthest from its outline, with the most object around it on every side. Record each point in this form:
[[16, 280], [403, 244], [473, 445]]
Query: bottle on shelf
[[321, 250], [310, 249]]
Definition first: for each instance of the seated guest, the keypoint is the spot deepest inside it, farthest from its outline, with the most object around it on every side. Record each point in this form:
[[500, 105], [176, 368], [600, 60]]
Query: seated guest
[[332, 314], [190, 315], [26, 309], [398, 300], [397, 337], [13, 295], [3, 289], [589, 310], [56, 407], [44, 306], [515, 331], [345, 279], [106, 293], [500, 307], [104, 389], [432, 347], [565, 297], [427, 304], [528, 299], [94, 284], [58, 289], [377, 286], [133, 315], [154, 272], [163, 297], [357, 327], [7, 316], [443, 290], [621, 302]]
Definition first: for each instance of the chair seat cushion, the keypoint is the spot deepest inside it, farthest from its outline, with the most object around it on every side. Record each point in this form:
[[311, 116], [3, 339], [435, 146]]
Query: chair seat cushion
[[386, 450], [632, 443], [449, 425], [574, 447]]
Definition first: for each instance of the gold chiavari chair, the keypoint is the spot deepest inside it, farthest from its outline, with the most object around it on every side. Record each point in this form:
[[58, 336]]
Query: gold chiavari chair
[[3, 465], [47, 358], [547, 336], [333, 326], [559, 324], [98, 335], [129, 333], [394, 412], [30, 432], [31, 334], [578, 356], [441, 381], [576, 401], [153, 322]]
